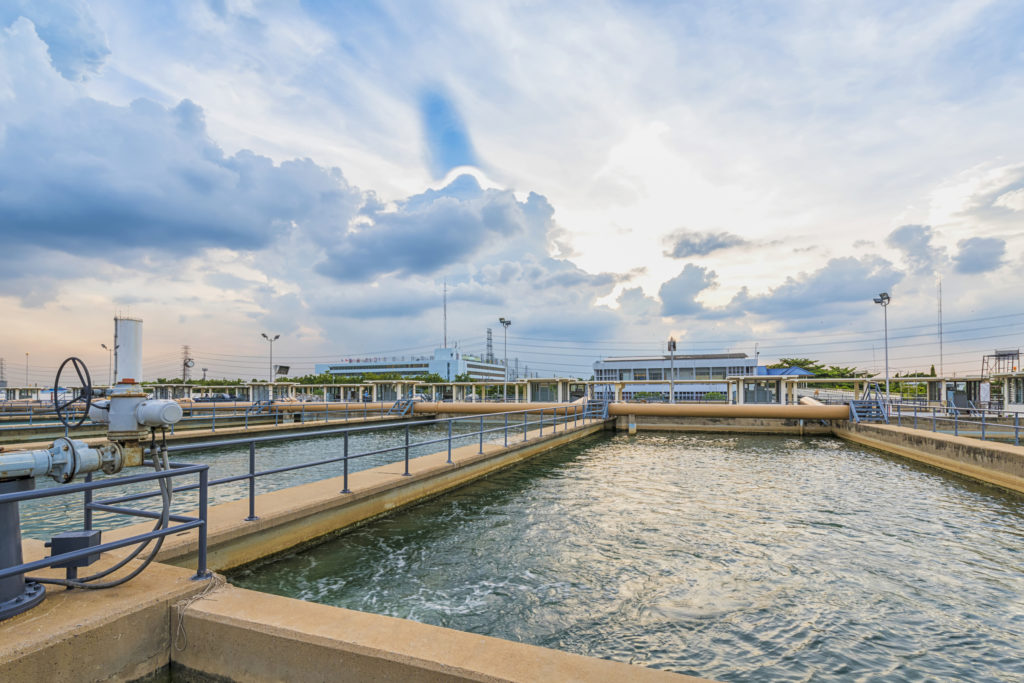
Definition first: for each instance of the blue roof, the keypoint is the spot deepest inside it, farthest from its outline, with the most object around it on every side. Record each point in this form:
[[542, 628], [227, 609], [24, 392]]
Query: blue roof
[[788, 371]]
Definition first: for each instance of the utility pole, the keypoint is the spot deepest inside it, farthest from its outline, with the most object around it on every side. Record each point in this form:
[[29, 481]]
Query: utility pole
[[26, 368], [883, 300], [271, 340], [505, 322], [110, 364], [672, 370]]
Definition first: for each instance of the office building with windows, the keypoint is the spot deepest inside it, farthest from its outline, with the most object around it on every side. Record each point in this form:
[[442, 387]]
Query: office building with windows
[[448, 363], [710, 368]]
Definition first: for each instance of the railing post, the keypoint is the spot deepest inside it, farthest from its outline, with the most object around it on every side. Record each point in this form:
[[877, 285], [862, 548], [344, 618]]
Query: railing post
[[449, 441], [915, 417], [406, 474], [204, 478], [481, 434], [88, 502], [1016, 429], [956, 423], [983, 424], [934, 427], [345, 461], [252, 483], [213, 426], [526, 423], [506, 430]]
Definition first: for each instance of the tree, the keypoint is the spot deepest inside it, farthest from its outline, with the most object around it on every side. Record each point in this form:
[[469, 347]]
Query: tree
[[932, 374], [463, 377], [429, 378]]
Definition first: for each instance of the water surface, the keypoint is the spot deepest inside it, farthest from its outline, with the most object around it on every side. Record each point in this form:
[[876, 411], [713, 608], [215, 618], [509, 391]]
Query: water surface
[[738, 558]]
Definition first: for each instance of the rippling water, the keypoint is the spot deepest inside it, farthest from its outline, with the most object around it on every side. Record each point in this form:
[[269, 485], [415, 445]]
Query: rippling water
[[738, 558]]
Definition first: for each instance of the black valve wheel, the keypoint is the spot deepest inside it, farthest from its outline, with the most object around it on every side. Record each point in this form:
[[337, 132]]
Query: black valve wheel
[[85, 396]]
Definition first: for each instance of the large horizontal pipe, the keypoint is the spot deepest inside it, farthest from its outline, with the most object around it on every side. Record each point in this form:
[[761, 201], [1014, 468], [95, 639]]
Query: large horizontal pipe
[[483, 408], [808, 412]]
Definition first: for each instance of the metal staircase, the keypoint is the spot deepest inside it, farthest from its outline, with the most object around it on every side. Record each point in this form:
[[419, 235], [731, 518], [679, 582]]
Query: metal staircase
[[872, 407], [401, 407]]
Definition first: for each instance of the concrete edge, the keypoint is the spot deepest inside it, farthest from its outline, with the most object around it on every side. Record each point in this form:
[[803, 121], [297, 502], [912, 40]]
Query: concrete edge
[[238, 634]]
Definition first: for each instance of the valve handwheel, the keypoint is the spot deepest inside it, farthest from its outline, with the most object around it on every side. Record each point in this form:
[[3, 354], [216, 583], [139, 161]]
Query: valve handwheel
[[85, 396]]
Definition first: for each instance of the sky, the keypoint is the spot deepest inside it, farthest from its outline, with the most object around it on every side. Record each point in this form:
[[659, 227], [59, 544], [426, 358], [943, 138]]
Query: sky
[[743, 177]]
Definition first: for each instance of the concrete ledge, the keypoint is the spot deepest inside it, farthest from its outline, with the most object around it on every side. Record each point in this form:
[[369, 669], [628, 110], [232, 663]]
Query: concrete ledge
[[116, 634], [989, 461], [241, 635]]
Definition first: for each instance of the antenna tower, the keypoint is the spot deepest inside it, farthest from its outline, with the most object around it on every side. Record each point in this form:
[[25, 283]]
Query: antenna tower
[[942, 372], [490, 346]]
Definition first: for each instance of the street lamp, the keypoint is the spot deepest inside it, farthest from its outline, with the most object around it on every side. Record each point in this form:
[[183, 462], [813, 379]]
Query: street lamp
[[883, 300], [204, 373], [271, 340], [505, 322], [672, 370], [110, 363]]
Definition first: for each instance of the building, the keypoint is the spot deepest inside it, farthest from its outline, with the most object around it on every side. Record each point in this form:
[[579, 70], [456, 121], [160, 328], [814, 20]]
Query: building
[[698, 375], [448, 363]]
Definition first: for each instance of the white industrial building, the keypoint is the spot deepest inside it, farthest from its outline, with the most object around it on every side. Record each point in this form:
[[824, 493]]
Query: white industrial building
[[448, 363]]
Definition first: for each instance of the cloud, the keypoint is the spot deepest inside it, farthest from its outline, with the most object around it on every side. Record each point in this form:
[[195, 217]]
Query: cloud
[[841, 281], [434, 229], [77, 46], [915, 243], [979, 255], [685, 244], [93, 178], [445, 133], [678, 295], [1013, 200]]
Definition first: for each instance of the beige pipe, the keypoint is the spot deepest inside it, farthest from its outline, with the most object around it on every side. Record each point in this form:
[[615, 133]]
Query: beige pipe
[[483, 408], [808, 412]]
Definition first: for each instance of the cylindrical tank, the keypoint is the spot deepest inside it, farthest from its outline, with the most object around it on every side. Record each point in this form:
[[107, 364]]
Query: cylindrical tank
[[128, 349]]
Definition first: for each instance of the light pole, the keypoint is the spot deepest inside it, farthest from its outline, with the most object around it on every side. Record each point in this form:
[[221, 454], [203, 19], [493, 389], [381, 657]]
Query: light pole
[[271, 340], [110, 364], [672, 370], [883, 300], [505, 322], [204, 372]]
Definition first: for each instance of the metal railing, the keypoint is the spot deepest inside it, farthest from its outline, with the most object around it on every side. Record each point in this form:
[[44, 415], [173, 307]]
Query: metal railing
[[978, 423], [514, 425], [176, 522]]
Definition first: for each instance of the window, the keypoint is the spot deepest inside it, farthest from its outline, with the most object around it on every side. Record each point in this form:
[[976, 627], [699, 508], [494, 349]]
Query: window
[[639, 373], [654, 373], [684, 373], [702, 373], [717, 373]]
